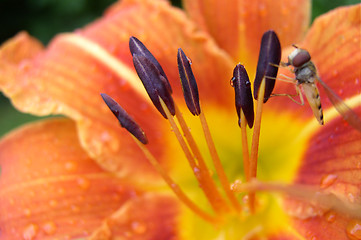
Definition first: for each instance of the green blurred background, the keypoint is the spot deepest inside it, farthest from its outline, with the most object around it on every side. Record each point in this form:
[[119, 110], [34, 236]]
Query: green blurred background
[[41, 18]]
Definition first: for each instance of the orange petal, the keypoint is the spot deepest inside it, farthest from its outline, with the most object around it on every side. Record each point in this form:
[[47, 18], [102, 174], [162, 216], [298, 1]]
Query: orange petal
[[145, 218], [69, 75], [333, 163], [50, 188], [335, 50], [238, 26]]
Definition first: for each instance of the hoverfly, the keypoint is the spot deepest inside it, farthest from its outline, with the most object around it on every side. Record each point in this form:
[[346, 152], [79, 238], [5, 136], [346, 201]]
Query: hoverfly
[[306, 75]]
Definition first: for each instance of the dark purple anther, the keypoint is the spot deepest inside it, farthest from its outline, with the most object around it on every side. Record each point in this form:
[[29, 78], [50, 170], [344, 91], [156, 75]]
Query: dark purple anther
[[268, 60], [243, 94], [124, 119], [137, 47], [189, 85], [154, 83]]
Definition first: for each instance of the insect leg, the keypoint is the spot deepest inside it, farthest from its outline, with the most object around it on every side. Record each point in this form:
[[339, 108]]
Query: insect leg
[[298, 93]]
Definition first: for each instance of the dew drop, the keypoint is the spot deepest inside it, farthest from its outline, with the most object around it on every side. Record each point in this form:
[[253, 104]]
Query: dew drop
[[75, 208], [49, 228], [353, 229], [30, 231], [328, 180], [330, 217], [357, 81], [262, 10], [358, 165], [70, 166], [231, 82], [53, 203], [138, 227], [83, 183], [245, 199], [351, 197], [27, 212], [196, 171]]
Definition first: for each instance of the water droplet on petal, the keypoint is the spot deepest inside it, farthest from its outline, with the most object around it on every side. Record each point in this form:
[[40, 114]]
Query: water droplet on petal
[[75, 208], [49, 228], [27, 212], [353, 229], [351, 197], [138, 227], [53, 203], [328, 180], [70, 166], [330, 217], [196, 171], [30, 231], [262, 10], [83, 183]]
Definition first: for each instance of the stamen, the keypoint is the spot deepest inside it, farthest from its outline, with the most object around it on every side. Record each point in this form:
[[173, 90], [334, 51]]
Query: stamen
[[140, 138], [303, 192], [137, 47], [245, 152], [189, 84], [245, 112], [269, 58], [155, 84], [243, 94], [255, 141], [175, 188], [200, 171], [217, 163], [124, 119], [191, 96]]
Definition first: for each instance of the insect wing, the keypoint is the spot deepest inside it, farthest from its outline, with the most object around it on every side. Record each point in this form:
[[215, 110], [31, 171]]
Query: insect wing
[[347, 114], [313, 97]]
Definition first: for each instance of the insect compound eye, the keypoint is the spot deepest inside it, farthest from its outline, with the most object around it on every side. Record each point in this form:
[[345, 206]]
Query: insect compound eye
[[301, 58]]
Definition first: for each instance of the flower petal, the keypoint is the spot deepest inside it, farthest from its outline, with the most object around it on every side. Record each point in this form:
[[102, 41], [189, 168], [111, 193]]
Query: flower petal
[[333, 163], [145, 218], [69, 75], [238, 26], [50, 188]]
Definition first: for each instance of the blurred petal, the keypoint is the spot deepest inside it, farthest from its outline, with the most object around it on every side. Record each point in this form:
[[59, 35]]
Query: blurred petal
[[238, 26], [69, 75], [145, 218], [333, 162], [336, 52], [50, 188]]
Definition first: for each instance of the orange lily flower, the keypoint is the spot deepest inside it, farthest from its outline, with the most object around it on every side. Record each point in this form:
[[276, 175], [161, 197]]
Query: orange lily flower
[[85, 177]]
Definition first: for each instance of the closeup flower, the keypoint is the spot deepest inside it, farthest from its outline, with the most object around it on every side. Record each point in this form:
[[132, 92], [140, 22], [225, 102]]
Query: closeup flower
[[85, 177]]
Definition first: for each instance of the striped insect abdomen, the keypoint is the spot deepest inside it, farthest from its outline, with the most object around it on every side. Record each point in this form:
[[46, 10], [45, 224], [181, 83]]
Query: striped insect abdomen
[[313, 97]]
